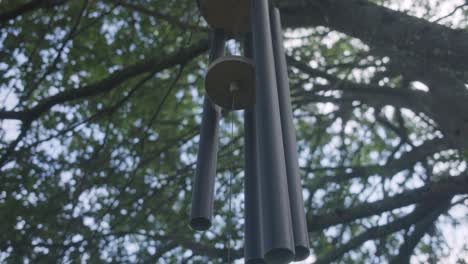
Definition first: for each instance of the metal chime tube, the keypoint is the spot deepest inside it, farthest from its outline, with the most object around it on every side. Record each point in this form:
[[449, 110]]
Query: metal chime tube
[[203, 186], [277, 237], [301, 237], [253, 246], [253, 251]]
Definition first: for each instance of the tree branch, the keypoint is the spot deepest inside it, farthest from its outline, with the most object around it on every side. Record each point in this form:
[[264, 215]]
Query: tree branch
[[370, 94], [28, 7], [112, 81], [393, 166], [407, 248], [155, 13], [445, 103], [420, 212], [431, 192], [381, 27]]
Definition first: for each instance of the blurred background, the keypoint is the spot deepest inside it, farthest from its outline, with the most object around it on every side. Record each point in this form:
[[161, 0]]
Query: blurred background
[[100, 107]]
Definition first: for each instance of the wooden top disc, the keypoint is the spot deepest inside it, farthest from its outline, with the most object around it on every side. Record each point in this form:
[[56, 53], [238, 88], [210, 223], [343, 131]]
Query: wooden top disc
[[233, 16], [230, 82]]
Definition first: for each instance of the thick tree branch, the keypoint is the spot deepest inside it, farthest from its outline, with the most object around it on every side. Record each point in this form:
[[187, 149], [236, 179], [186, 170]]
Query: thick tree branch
[[431, 192], [156, 13], [28, 7], [384, 28], [4, 114], [105, 85], [373, 95], [448, 95], [393, 166], [445, 103], [407, 248], [426, 210]]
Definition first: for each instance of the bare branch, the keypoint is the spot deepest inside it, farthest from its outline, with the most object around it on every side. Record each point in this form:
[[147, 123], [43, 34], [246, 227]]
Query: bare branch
[[427, 210], [407, 248], [432, 192], [406, 161], [451, 13]]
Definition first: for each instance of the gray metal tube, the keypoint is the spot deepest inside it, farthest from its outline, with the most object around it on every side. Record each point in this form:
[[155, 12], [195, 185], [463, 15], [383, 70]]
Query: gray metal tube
[[253, 247], [253, 251], [204, 181], [301, 237], [277, 234]]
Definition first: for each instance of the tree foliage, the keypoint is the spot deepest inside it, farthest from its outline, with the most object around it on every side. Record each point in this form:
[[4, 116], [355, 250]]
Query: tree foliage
[[100, 114]]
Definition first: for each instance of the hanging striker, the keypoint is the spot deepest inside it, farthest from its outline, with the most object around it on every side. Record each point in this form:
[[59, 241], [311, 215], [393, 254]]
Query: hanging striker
[[230, 82], [233, 16]]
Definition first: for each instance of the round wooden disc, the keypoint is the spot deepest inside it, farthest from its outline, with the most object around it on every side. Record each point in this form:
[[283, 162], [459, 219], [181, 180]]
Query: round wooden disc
[[220, 76], [231, 15]]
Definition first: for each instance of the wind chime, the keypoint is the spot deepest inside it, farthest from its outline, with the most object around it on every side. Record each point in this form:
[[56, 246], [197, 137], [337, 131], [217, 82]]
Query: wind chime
[[275, 224]]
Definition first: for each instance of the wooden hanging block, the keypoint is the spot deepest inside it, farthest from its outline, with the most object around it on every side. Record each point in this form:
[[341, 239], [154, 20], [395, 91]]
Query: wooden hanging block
[[230, 82], [233, 16]]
